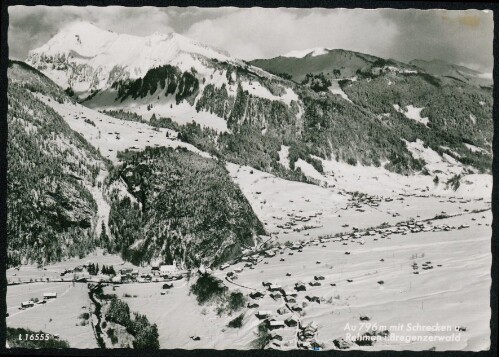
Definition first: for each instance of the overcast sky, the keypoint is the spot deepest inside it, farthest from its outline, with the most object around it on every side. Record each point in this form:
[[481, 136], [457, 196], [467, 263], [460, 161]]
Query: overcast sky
[[461, 37]]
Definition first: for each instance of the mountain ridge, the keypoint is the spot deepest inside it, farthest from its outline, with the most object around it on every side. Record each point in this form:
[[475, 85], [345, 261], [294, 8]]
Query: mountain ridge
[[234, 97]]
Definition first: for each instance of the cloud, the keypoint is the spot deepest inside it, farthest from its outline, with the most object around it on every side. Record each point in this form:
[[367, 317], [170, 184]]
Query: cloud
[[32, 26], [277, 31], [461, 37]]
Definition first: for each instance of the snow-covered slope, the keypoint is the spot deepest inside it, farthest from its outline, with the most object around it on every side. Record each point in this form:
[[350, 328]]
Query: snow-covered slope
[[317, 51]]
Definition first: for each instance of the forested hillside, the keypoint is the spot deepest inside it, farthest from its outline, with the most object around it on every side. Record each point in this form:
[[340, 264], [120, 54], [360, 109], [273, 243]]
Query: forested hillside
[[178, 205], [50, 209], [457, 113]]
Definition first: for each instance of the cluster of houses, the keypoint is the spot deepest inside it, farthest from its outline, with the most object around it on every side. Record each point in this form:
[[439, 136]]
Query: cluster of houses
[[159, 272], [359, 201], [297, 222], [31, 303], [307, 334], [280, 337]]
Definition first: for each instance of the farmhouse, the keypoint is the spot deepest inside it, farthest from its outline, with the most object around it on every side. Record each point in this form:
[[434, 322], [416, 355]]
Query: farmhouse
[[47, 296]]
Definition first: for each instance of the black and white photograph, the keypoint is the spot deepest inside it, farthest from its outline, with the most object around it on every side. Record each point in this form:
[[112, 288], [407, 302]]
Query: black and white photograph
[[249, 178]]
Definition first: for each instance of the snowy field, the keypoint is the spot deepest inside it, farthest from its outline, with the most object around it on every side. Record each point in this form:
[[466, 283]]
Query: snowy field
[[294, 210], [26, 273], [454, 292], [59, 316], [111, 135]]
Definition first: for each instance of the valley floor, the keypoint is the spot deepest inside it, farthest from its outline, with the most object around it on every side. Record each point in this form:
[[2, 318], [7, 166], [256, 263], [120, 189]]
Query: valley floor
[[454, 292], [434, 272]]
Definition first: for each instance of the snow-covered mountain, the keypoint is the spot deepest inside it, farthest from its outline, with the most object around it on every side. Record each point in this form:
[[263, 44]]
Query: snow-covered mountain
[[87, 58], [352, 106]]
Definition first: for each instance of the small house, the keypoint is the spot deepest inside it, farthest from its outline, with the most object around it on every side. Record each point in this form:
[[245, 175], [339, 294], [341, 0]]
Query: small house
[[26, 304], [256, 295], [300, 286], [281, 311], [291, 321], [275, 287], [290, 299], [126, 271], [313, 299], [275, 295], [274, 324], [47, 296], [263, 314], [270, 253]]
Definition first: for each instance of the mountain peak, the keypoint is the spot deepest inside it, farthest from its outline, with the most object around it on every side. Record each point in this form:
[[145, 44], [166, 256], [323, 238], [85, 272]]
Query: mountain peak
[[85, 39], [100, 55], [310, 52]]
